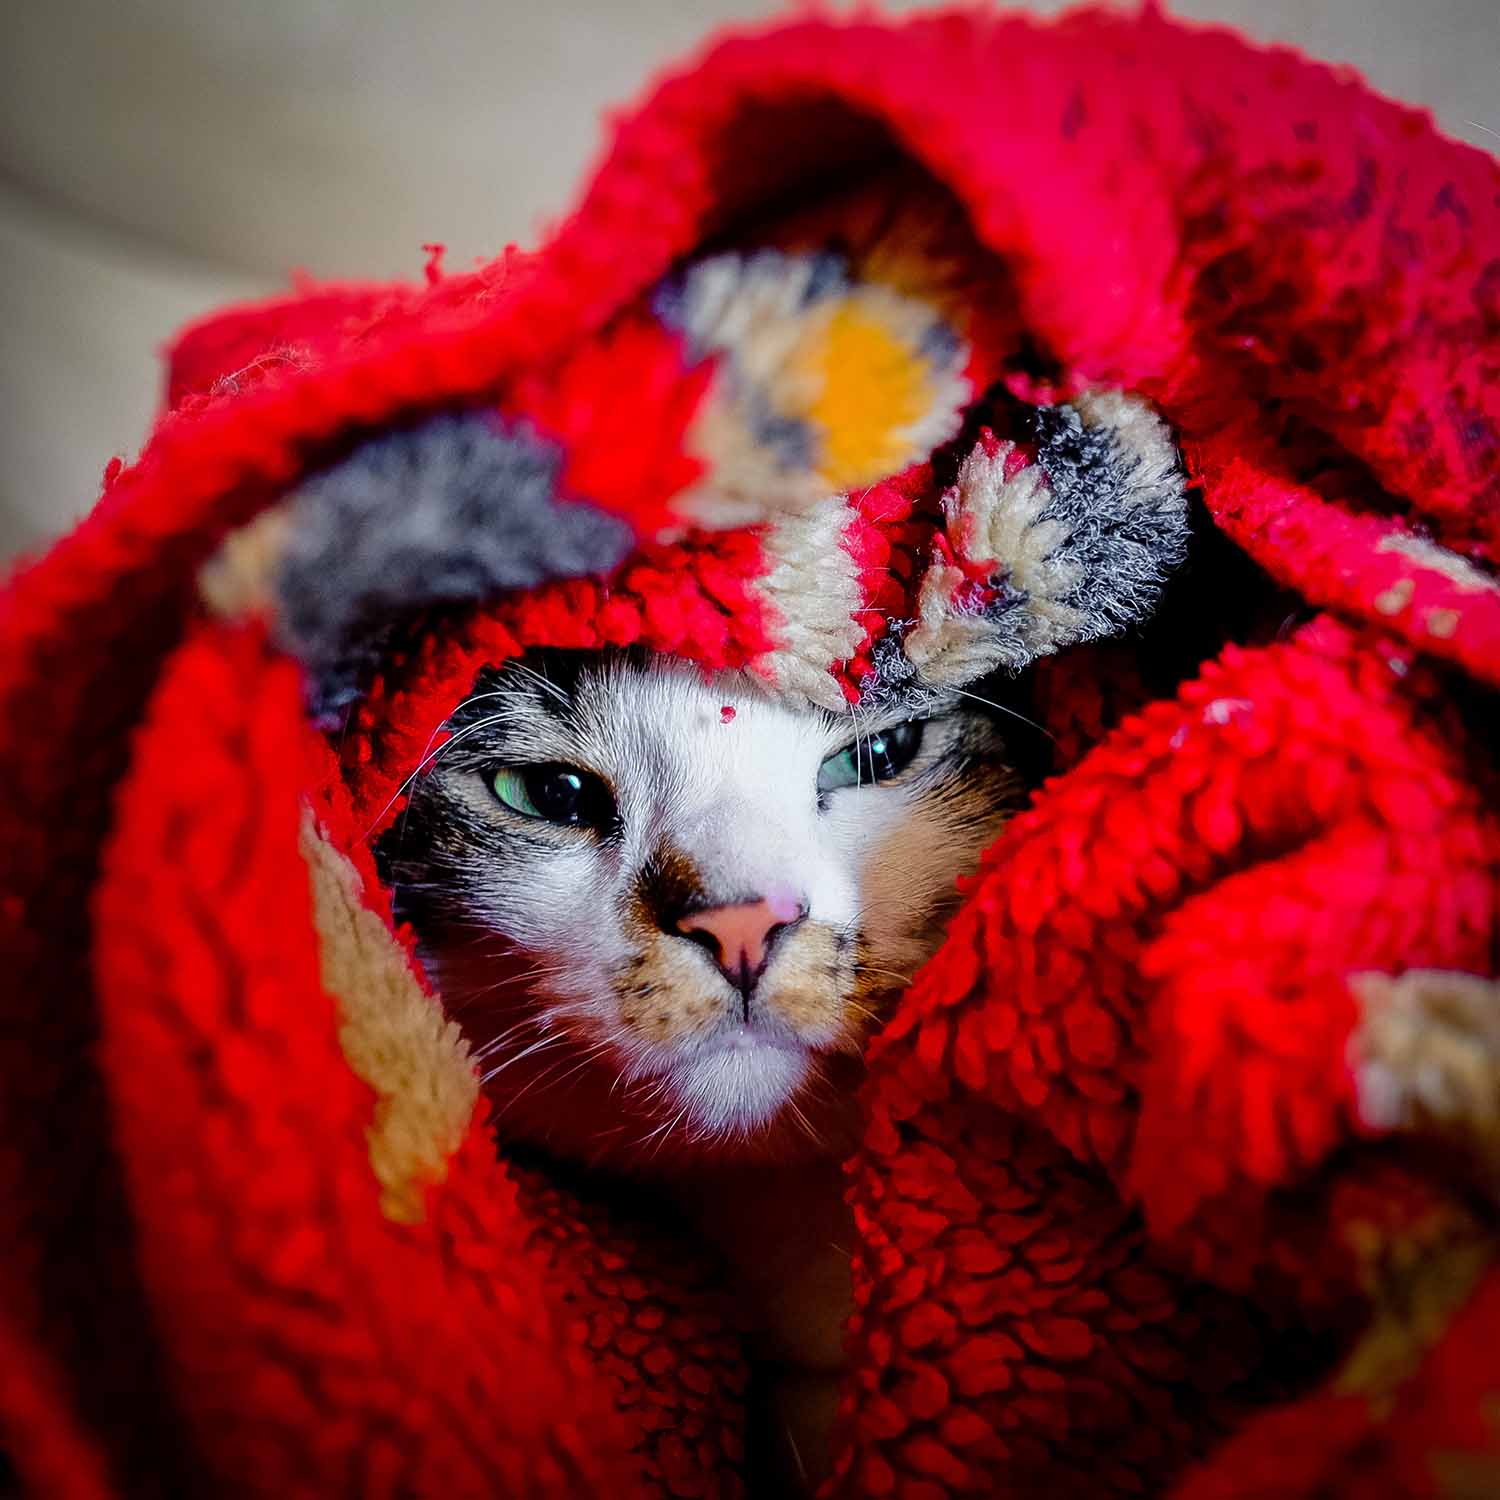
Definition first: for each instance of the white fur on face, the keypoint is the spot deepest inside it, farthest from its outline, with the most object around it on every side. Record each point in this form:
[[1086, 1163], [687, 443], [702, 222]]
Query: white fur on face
[[715, 789]]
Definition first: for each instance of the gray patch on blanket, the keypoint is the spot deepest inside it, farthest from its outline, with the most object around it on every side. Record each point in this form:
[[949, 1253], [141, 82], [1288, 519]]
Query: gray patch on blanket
[[1125, 514], [1084, 539], [453, 511], [893, 681]]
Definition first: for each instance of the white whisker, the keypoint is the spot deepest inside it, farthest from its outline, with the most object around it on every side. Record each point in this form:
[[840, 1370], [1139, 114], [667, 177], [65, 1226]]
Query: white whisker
[[1001, 708]]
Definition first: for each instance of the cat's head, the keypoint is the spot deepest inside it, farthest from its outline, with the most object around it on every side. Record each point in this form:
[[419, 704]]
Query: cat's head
[[667, 908]]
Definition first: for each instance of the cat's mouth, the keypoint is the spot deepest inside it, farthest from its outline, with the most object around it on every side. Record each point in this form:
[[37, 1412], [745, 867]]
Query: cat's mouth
[[735, 1060], [750, 1037], [671, 993]]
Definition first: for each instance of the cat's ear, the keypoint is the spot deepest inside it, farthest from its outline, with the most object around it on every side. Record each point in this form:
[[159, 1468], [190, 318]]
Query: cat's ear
[[457, 509]]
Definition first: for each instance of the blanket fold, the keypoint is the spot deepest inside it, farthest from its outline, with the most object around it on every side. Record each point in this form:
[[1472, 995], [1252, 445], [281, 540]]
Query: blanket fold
[[1143, 377]]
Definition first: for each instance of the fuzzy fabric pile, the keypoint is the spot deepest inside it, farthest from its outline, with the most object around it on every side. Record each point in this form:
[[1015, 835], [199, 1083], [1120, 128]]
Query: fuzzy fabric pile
[[1148, 378]]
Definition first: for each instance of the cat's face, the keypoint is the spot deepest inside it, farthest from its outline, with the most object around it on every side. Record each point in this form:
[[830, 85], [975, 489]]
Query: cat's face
[[663, 906]]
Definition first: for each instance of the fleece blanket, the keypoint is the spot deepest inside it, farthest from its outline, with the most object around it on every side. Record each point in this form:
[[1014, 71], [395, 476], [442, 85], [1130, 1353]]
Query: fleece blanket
[[1149, 377]]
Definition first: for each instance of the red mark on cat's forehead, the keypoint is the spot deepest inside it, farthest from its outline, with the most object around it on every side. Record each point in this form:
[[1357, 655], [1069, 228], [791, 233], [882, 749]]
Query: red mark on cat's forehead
[[726, 713]]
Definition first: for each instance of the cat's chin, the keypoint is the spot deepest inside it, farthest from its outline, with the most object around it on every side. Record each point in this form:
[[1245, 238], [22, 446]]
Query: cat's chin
[[743, 1097], [733, 1088]]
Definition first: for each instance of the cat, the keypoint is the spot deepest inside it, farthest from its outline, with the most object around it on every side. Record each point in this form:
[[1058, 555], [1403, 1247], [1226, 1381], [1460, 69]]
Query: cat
[[669, 909], [665, 905]]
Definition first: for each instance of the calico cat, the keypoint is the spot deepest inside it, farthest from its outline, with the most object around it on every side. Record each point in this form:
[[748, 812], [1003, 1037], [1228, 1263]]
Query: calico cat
[[673, 890], [669, 910]]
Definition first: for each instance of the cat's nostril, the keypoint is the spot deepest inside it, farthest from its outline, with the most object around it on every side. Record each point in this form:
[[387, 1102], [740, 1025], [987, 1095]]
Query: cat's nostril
[[704, 939], [740, 937]]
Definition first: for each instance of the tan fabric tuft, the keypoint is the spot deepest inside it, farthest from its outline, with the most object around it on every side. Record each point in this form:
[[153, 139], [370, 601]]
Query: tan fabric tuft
[[991, 518], [394, 1035], [814, 586], [1139, 430], [1426, 1055], [239, 579]]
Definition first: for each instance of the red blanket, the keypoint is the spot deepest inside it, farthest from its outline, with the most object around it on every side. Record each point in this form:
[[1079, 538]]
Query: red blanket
[[1179, 1166]]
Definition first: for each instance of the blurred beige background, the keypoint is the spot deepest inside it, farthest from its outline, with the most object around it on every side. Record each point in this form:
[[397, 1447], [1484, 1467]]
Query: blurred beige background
[[161, 156]]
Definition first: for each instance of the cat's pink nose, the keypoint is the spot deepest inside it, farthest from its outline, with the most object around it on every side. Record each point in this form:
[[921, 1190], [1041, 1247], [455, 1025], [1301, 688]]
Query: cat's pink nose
[[741, 935]]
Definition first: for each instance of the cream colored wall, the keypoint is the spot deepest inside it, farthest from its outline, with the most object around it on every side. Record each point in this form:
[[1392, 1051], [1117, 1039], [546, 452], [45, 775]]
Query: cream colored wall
[[159, 156]]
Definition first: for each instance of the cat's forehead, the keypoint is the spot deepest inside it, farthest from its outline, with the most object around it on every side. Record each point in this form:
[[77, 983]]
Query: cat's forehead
[[557, 702]]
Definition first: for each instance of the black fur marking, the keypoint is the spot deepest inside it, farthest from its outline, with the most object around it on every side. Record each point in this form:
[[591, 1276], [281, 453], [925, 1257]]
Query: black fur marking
[[432, 856], [453, 511], [669, 887]]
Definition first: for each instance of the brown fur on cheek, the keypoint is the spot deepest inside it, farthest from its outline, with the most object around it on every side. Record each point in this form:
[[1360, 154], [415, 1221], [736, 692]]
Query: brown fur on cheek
[[875, 986], [666, 992], [809, 986], [960, 814], [976, 806], [670, 883]]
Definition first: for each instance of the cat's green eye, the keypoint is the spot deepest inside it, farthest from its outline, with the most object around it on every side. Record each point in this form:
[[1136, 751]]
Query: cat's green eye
[[872, 758], [556, 793]]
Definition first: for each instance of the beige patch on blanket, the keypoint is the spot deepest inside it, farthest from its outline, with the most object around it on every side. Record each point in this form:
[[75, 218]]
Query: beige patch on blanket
[[1426, 1055], [813, 584], [393, 1034], [240, 578]]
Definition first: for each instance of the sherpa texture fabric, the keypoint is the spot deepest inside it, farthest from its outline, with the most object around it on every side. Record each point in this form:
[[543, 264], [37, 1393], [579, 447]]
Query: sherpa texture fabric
[[1178, 1175]]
